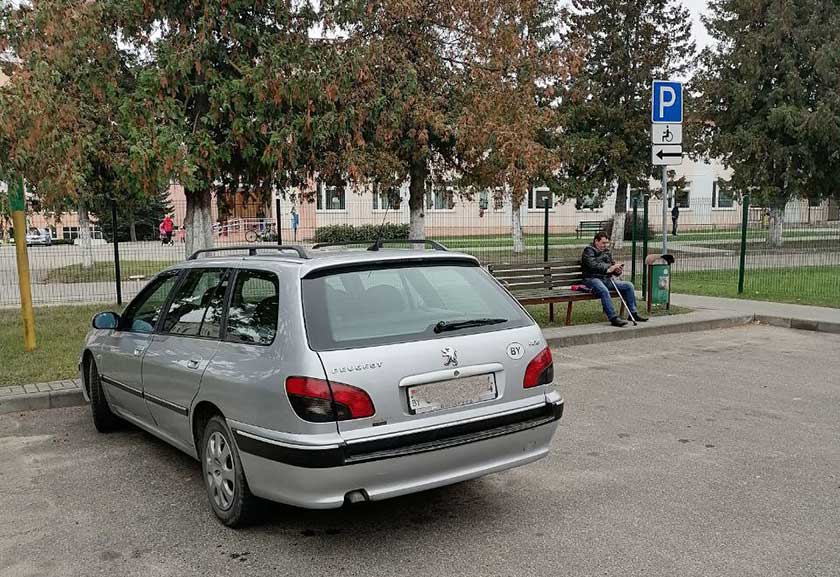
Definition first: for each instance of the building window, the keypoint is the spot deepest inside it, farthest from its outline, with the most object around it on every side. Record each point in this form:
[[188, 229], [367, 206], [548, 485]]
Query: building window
[[589, 202], [721, 195], [440, 198], [539, 196], [69, 232], [385, 199], [635, 193], [330, 197], [683, 196]]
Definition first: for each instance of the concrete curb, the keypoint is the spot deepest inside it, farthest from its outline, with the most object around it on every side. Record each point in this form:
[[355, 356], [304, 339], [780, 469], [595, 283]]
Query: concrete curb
[[689, 322], [46, 400], [799, 324]]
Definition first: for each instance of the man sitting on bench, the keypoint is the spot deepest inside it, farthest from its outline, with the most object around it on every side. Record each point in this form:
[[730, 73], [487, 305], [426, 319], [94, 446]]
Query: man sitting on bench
[[600, 271]]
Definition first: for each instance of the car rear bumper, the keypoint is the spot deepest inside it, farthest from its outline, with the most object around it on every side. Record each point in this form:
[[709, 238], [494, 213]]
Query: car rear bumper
[[383, 468]]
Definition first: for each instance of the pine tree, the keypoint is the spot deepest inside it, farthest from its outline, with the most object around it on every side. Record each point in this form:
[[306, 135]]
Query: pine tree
[[770, 95], [624, 45]]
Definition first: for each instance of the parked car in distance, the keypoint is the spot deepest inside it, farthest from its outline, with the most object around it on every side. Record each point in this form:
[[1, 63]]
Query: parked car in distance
[[36, 236], [320, 377]]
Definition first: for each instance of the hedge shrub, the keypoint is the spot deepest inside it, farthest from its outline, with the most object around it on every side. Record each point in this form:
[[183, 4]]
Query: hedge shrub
[[362, 233]]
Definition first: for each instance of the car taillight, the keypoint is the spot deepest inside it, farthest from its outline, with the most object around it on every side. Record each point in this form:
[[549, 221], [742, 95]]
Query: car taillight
[[319, 401], [540, 370]]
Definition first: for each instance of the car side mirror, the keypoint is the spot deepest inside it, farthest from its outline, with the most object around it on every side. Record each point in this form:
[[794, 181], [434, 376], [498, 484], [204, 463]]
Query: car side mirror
[[107, 320]]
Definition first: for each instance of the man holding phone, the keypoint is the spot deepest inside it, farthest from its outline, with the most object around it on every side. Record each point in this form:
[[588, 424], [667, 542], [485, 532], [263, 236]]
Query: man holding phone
[[598, 266]]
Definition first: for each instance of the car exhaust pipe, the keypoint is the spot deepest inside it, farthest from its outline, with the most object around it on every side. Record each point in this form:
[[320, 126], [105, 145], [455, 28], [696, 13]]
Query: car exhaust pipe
[[357, 496]]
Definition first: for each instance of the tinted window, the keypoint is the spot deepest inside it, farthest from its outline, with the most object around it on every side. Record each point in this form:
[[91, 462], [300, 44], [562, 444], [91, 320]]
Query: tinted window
[[212, 325], [375, 306], [252, 315], [191, 302], [142, 314]]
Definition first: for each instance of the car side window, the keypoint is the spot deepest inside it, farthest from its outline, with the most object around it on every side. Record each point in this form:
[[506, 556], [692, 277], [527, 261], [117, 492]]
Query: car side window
[[252, 314], [142, 314], [191, 302]]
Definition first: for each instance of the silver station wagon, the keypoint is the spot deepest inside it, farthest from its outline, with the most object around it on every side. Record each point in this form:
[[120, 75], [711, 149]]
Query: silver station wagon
[[325, 376]]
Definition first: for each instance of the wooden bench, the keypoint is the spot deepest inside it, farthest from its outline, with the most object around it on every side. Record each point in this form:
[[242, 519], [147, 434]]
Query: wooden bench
[[534, 283], [591, 226]]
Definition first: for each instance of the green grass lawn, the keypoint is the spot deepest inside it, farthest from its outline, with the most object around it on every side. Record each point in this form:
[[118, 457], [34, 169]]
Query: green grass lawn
[[587, 312], [818, 286], [104, 271], [59, 334]]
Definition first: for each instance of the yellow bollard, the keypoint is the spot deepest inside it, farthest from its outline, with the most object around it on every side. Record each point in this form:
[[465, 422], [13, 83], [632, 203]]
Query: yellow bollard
[[16, 203]]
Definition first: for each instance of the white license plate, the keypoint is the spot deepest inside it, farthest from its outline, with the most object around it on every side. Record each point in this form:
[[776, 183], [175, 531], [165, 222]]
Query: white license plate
[[452, 393]]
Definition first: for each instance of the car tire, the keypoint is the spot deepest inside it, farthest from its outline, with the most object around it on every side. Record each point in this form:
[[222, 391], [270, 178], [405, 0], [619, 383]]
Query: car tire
[[224, 478], [104, 419]]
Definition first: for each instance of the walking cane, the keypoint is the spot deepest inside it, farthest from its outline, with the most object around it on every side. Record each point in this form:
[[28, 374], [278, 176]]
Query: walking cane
[[629, 312]]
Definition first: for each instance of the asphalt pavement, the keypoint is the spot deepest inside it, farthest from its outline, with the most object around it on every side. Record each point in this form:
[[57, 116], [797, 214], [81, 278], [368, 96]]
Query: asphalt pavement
[[714, 453]]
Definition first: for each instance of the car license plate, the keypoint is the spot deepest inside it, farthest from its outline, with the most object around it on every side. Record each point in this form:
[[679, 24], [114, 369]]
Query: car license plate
[[451, 393]]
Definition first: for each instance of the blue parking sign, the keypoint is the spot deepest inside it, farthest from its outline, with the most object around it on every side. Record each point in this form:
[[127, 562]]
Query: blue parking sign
[[667, 101]]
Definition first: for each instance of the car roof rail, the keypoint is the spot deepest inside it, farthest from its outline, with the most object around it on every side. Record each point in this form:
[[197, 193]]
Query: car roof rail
[[379, 243], [252, 249]]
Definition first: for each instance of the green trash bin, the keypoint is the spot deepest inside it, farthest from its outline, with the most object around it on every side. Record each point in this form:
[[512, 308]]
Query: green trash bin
[[659, 280]]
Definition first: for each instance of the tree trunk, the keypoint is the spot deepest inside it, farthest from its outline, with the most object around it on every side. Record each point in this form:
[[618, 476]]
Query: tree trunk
[[84, 236], [198, 221], [418, 174], [516, 227], [620, 214], [774, 231], [132, 226]]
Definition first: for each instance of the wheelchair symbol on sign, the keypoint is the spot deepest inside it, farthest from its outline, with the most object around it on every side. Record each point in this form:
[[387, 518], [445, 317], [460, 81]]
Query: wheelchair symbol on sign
[[667, 136]]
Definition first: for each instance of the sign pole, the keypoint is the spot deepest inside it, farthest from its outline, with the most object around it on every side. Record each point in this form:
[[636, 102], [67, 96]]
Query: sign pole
[[665, 210], [17, 204]]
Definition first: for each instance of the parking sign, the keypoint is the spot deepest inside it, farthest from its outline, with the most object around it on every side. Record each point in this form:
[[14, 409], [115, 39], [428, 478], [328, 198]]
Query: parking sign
[[667, 101]]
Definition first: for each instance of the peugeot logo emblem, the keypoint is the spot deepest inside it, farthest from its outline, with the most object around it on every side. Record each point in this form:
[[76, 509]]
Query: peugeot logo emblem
[[451, 356]]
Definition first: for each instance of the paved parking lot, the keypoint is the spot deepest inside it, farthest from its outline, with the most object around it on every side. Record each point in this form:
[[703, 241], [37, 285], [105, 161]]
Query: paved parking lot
[[687, 455]]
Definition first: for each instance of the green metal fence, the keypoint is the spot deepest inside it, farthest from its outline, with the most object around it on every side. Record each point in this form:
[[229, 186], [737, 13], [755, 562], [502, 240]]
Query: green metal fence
[[712, 240]]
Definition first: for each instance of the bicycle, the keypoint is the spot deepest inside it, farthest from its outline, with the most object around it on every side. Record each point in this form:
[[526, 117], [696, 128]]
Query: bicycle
[[255, 235]]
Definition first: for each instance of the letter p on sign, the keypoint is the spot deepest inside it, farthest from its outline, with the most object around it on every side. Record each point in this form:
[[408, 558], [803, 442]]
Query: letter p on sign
[[667, 101]]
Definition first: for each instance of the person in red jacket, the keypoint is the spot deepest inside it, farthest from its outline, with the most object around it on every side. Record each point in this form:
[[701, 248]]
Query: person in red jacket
[[167, 225]]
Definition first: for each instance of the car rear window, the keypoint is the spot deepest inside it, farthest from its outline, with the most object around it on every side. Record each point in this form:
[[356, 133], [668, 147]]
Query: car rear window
[[370, 306]]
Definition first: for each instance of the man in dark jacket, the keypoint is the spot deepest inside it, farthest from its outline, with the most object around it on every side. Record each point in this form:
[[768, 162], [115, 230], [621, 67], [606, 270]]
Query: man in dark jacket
[[598, 266], [675, 216]]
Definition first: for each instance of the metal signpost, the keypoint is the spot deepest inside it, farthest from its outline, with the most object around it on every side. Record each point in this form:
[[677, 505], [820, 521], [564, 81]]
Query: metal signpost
[[666, 115], [17, 204]]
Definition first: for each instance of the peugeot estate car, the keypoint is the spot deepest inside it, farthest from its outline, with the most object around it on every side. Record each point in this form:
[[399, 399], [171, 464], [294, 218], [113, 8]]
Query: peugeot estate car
[[318, 377]]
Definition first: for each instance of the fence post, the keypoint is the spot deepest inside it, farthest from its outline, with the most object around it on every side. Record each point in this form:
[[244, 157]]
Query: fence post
[[279, 214], [117, 275], [744, 219], [645, 245], [633, 257], [545, 231]]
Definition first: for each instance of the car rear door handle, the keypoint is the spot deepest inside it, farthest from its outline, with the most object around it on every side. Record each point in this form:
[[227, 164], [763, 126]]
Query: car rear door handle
[[138, 352], [192, 364]]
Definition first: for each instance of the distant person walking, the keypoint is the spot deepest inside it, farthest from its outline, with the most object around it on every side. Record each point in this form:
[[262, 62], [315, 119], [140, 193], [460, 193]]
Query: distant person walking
[[166, 228], [675, 216], [295, 222]]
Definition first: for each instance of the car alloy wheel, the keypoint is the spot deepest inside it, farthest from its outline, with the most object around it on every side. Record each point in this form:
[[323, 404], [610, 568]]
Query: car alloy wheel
[[220, 470]]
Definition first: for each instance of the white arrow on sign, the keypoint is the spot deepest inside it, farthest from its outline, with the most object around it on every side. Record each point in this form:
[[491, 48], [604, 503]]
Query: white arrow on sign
[[666, 133], [667, 155]]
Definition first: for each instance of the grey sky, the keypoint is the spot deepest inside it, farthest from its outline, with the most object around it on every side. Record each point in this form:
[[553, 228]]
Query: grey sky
[[701, 36]]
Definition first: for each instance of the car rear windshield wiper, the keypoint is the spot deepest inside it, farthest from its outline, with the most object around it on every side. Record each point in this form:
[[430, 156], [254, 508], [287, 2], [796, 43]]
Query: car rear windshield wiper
[[455, 325]]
